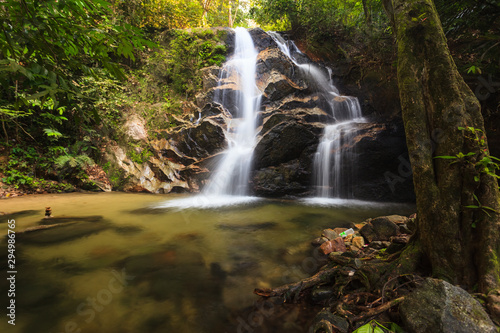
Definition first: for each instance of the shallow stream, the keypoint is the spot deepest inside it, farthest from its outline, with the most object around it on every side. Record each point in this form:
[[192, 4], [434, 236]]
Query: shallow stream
[[130, 267]]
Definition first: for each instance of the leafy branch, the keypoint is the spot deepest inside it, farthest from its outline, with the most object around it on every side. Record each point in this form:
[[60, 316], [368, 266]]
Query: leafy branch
[[485, 209], [484, 163]]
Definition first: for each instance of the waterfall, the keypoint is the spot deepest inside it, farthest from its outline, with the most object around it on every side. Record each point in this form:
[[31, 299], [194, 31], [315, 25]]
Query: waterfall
[[233, 172], [228, 184], [330, 180]]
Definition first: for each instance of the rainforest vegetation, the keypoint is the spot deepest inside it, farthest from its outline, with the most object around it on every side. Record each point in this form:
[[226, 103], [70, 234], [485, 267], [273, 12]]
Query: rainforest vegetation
[[72, 72]]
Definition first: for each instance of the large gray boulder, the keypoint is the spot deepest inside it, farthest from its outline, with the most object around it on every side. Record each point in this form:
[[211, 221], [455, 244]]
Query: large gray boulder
[[200, 141], [284, 142], [439, 307]]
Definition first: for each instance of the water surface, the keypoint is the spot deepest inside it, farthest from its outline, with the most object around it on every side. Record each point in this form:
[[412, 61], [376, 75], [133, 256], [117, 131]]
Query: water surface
[[135, 268]]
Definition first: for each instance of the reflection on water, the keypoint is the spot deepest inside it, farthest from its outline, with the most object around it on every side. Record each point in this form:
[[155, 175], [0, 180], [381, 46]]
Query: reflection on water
[[134, 267]]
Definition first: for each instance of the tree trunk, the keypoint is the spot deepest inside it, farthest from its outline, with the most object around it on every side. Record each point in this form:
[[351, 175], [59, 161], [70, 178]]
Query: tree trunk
[[205, 4], [368, 14], [462, 244]]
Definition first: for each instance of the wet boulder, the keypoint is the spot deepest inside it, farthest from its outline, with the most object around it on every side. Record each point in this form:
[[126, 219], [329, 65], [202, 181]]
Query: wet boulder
[[261, 39], [439, 307], [285, 179], [284, 142], [278, 86], [200, 141]]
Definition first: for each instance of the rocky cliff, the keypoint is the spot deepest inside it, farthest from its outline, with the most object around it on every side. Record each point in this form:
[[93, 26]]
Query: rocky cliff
[[291, 121]]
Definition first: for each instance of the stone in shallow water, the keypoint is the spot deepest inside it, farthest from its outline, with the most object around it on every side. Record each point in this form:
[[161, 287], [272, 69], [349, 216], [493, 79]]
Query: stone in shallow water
[[439, 307], [318, 241], [336, 245], [330, 234], [359, 242]]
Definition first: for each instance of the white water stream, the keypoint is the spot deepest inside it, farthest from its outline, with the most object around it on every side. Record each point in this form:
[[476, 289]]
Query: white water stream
[[229, 182], [329, 178]]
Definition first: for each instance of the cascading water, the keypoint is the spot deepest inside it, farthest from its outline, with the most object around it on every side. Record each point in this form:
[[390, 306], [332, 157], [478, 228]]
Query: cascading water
[[330, 179], [229, 182], [232, 174]]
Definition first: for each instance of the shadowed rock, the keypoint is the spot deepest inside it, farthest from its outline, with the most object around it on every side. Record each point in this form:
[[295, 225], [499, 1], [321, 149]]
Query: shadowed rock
[[440, 307]]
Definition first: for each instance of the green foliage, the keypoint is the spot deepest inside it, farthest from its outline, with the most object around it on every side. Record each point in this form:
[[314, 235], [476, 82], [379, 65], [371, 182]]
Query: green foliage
[[30, 168], [376, 327], [474, 70], [139, 154], [180, 14], [65, 162], [189, 52], [45, 48], [475, 28], [333, 30], [485, 209], [468, 16], [483, 162], [26, 166], [318, 16]]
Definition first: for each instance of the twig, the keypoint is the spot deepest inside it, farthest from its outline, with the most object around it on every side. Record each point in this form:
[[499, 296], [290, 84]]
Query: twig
[[415, 277], [375, 311]]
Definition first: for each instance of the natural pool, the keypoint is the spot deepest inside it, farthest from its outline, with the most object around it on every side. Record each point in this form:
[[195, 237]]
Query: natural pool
[[134, 268]]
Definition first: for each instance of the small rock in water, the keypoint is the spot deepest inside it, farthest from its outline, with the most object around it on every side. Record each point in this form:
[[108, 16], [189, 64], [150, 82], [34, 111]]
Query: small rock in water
[[336, 245], [339, 230], [358, 242], [318, 241], [330, 234]]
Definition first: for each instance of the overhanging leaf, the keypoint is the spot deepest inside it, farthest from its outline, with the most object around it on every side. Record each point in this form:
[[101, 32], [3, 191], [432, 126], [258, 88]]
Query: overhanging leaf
[[52, 132], [446, 157]]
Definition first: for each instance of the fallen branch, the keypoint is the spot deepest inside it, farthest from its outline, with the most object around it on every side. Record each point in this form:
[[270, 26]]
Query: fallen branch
[[292, 289], [375, 311]]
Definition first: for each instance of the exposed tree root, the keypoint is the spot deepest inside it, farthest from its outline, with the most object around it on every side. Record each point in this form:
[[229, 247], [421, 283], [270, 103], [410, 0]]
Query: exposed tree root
[[378, 310], [364, 287]]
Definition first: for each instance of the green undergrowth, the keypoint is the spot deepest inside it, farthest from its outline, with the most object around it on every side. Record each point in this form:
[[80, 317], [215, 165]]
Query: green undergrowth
[[161, 84]]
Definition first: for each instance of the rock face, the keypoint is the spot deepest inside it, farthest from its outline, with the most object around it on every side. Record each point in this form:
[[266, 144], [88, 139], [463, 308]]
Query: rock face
[[291, 120], [440, 307]]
